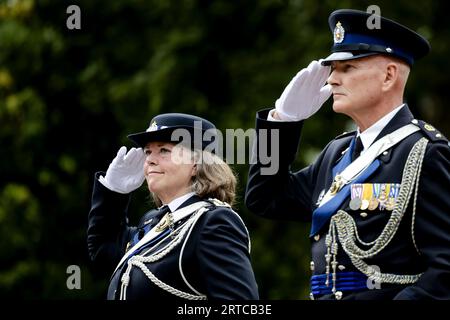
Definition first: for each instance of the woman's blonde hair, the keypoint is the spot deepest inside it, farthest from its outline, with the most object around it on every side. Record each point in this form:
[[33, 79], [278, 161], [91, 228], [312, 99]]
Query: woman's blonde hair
[[213, 179]]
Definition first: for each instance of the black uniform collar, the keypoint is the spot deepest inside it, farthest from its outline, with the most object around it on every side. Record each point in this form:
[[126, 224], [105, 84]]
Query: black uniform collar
[[402, 118], [195, 198]]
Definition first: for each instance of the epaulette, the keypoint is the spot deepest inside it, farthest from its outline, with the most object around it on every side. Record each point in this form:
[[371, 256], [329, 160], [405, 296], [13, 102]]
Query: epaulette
[[345, 134], [430, 132], [218, 203]]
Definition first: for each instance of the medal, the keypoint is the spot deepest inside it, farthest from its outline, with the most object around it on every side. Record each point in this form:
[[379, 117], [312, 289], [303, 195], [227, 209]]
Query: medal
[[393, 194], [355, 204], [389, 204], [364, 204], [373, 204], [367, 192], [356, 193], [384, 191]]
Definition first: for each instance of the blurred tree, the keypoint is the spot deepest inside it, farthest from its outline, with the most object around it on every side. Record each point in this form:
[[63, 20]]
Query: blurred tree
[[70, 97]]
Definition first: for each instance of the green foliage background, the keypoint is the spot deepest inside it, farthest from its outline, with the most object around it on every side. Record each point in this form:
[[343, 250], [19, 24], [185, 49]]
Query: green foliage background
[[68, 98]]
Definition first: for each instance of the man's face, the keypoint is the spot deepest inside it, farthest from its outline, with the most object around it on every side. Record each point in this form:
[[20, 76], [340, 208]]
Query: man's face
[[356, 85]]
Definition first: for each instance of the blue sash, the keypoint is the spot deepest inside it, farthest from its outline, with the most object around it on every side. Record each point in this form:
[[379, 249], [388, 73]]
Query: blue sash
[[322, 214], [345, 281]]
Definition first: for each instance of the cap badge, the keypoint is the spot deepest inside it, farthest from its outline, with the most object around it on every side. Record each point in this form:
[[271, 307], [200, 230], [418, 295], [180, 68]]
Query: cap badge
[[339, 33], [153, 126]]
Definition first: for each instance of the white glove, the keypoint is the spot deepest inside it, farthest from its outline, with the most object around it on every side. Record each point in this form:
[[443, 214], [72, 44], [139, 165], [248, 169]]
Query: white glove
[[305, 94], [126, 172]]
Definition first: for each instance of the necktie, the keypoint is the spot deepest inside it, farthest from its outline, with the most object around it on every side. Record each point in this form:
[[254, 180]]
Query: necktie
[[357, 148], [158, 216], [162, 211]]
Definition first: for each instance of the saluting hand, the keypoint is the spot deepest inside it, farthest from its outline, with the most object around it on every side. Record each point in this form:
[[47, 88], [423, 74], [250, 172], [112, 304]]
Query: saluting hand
[[126, 172], [305, 94]]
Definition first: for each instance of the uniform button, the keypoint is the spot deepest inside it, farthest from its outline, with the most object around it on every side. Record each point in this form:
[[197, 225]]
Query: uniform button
[[341, 267], [363, 214], [317, 237], [338, 295], [311, 296], [385, 153], [415, 121], [311, 265], [438, 135]]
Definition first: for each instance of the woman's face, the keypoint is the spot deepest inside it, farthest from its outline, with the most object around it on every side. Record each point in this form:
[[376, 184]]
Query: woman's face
[[168, 169]]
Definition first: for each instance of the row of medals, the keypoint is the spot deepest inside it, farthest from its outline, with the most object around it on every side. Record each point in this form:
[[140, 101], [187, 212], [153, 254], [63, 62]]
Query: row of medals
[[366, 199]]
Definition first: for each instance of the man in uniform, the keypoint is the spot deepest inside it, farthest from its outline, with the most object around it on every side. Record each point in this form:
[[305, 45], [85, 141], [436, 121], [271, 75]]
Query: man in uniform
[[379, 197]]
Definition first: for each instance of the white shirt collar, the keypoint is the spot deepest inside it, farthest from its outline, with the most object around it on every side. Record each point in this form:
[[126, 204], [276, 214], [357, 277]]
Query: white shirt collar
[[175, 203], [370, 134]]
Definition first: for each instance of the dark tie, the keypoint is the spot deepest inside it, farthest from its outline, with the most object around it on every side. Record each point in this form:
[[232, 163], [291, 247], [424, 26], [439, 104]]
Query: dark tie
[[141, 231], [162, 211], [158, 216], [357, 148]]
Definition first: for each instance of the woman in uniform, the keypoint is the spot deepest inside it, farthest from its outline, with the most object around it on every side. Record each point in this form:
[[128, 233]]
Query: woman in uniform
[[194, 246]]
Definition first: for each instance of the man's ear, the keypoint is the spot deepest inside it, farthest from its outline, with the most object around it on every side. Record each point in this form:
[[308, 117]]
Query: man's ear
[[391, 76]]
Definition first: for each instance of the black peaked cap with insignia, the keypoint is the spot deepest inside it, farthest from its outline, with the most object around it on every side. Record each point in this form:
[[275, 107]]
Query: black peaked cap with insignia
[[355, 37], [202, 133]]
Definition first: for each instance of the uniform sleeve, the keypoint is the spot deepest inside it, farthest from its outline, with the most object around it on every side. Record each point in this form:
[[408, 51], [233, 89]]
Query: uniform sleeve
[[432, 226], [107, 232], [224, 259], [283, 195]]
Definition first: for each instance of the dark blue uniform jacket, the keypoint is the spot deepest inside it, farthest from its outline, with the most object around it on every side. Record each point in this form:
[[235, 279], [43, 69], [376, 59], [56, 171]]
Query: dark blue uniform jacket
[[216, 261], [291, 195]]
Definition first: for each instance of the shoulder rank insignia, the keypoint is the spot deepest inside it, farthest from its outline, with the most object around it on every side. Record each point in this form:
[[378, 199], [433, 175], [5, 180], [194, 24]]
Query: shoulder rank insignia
[[430, 132], [218, 203]]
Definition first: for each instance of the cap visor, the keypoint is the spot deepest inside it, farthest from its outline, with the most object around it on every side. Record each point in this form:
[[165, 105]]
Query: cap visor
[[143, 138], [186, 136], [342, 56]]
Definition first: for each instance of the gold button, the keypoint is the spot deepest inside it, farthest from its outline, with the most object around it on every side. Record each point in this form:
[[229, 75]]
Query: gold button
[[363, 214], [317, 237]]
